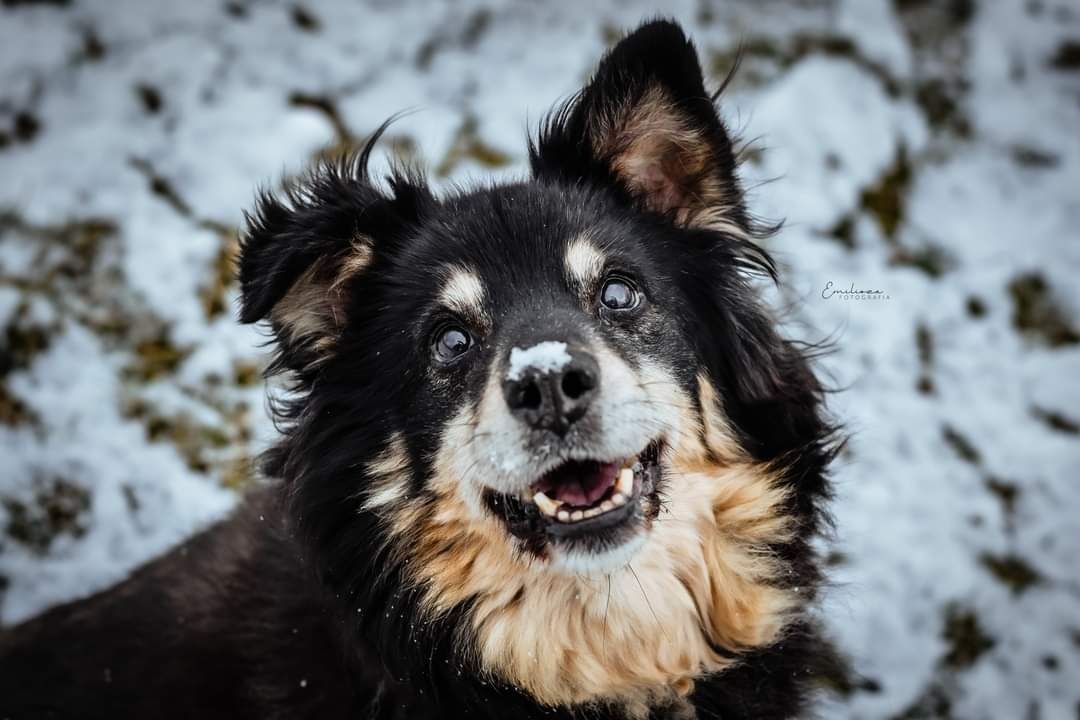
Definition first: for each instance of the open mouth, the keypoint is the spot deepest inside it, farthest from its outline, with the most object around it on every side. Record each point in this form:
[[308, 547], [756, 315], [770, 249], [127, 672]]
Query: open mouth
[[586, 505]]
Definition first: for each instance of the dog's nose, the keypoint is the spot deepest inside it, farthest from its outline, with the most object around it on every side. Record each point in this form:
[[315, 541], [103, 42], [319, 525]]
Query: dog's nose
[[550, 398]]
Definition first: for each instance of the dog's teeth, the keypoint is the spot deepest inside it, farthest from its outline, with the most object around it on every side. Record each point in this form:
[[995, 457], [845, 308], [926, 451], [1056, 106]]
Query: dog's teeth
[[592, 512], [547, 505], [563, 516], [576, 515], [618, 498], [606, 506], [625, 482]]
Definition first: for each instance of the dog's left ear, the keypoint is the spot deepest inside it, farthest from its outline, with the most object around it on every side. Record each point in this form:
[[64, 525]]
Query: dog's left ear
[[645, 124]]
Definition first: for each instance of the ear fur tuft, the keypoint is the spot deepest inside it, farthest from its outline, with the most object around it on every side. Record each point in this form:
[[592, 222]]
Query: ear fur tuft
[[646, 125]]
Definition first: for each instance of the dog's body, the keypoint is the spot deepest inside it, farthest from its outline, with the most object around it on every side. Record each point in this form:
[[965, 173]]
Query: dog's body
[[546, 457]]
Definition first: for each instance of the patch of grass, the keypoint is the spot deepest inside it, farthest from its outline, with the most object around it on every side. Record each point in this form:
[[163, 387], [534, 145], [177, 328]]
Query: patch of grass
[[26, 126], [885, 200], [975, 306], [610, 34], [940, 101], [21, 345], [1056, 421], [92, 49], [1007, 492], [1011, 570], [66, 274], [162, 187], [222, 276], [58, 508], [468, 145], [924, 343], [1032, 157], [1067, 57], [476, 26], [933, 704], [345, 140], [961, 445], [246, 374], [931, 259], [219, 448], [150, 98], [327, 107], [761, 57], [836, 558], [304, 19], [238, 472], [844, 232], [966, 638], [937, 33], [1037, 314], [194, 441], [947, 15], [13, 411], [155, 358]]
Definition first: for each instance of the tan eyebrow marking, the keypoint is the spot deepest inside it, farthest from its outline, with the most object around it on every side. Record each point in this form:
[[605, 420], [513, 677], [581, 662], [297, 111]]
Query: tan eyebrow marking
[[464, 293], [584, 262]]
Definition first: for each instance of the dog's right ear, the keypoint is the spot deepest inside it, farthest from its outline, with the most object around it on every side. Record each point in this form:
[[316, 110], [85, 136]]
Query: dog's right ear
[[302, 252]]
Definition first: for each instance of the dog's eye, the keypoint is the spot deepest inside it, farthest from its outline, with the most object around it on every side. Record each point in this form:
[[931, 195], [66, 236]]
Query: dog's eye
[[618, 294], [450, 343]]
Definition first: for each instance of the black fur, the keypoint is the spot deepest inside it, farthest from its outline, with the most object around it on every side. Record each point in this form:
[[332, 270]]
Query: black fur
[[296, 607]]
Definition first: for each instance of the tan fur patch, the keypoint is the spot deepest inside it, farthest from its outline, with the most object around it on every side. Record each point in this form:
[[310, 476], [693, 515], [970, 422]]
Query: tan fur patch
[[312, 308], [463, 292], [308, 309], [584, 263], [389, 474], [643, 632], [665, 161], [356, 262]]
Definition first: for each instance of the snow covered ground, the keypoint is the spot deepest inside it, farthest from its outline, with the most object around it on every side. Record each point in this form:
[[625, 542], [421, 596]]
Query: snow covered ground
[[926, 149]]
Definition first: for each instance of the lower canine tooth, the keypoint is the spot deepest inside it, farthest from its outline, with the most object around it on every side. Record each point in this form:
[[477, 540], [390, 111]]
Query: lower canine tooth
[[618, 498], [546, 504], [625, 483]]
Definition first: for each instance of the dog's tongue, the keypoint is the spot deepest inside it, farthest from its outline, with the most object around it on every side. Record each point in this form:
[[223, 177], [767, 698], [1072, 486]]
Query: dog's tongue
[[579, 484]]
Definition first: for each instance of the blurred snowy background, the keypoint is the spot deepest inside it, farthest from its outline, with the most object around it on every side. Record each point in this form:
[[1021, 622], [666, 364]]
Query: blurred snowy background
[[928, 149]]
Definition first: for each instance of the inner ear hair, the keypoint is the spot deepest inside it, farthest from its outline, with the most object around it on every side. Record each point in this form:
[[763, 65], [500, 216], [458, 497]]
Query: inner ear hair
[[312, 311], [662, 158], [645, 122]]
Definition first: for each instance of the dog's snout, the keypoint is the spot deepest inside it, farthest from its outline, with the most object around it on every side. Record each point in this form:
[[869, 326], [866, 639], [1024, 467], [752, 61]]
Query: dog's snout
[[554, 399]]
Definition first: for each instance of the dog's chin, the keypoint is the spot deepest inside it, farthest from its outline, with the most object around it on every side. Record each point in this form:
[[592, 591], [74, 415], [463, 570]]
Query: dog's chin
[[586, 516]]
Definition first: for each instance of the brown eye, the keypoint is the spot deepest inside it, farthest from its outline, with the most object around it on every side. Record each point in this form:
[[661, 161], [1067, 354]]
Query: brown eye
[[618, 295], [451, 343]]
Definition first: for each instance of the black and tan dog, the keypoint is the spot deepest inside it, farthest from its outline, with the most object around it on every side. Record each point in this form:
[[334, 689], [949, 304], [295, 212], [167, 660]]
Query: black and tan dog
[[547, 455]]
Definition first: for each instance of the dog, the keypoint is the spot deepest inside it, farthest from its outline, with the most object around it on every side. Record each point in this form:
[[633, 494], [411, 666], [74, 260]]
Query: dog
[[545, 454]]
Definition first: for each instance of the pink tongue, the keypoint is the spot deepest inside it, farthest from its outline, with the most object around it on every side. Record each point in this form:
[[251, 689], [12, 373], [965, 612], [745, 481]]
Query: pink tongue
[[583, 485]]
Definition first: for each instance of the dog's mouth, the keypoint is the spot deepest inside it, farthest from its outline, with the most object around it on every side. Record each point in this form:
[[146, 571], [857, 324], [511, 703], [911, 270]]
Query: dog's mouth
[[587, 506]]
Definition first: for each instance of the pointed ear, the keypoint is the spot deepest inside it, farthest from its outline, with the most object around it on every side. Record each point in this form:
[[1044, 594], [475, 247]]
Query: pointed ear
[[301, 253], [645, 124]]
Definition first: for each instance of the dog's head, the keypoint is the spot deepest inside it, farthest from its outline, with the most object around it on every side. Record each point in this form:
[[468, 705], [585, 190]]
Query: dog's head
[[509, 395]]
